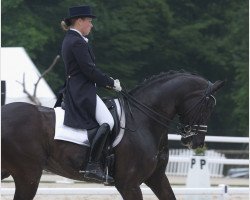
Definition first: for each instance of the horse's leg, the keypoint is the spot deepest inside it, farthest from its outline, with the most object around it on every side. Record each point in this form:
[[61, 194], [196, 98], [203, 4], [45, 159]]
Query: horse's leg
[[129, 192], [27, 181], [161, 187], [127, 182], [159, 184], [4, 174]]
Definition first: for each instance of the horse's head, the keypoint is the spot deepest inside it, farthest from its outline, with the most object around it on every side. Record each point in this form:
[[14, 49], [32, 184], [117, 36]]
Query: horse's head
[[194, 112]]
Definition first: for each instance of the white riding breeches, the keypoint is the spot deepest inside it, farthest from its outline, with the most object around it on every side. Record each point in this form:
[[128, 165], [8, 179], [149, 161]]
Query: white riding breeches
[[102, 113]]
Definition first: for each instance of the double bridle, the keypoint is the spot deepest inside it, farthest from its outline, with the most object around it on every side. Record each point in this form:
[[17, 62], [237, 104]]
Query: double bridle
[[189, 130], [182, 129]]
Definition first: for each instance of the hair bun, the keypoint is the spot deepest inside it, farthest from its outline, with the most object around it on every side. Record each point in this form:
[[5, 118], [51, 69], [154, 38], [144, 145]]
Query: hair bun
[[64, 25]]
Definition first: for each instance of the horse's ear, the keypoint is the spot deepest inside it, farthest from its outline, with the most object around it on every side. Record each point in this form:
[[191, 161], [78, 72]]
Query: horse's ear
[[217, 85]]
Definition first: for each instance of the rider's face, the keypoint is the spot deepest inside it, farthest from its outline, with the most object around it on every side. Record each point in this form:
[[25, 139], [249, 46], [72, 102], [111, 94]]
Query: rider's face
[[85, 25]]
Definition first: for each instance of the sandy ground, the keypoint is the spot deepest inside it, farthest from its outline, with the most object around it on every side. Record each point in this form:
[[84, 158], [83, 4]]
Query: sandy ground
[[54, 181]]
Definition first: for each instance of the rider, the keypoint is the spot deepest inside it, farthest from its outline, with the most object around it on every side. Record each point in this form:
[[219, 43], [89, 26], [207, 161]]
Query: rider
[[84, 109]]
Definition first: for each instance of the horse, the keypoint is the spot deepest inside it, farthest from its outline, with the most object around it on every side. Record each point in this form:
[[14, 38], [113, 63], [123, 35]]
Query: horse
[[28, 145]]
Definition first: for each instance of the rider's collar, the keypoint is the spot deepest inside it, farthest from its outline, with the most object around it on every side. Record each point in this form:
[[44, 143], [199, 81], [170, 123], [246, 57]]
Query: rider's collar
[[86, 39]]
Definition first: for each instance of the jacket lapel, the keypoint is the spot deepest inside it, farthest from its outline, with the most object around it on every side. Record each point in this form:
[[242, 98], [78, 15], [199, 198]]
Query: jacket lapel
[[91, 53], [89, 47]]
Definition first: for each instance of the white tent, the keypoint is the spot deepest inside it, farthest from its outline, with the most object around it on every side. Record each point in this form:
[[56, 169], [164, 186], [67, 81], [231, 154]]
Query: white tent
[[15, 62]]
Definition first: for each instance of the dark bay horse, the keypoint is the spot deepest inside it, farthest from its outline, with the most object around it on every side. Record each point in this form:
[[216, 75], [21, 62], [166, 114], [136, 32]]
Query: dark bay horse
[[28, 146]]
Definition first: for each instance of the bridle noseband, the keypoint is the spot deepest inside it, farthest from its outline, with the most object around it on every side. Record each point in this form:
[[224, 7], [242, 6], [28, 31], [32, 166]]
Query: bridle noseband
[[191, 130]]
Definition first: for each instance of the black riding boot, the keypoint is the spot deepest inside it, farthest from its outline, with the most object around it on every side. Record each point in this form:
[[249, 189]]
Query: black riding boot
[[93, 170]]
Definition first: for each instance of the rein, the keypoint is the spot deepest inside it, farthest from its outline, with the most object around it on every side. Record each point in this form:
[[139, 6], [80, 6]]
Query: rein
[[182, 129], [137, 104], [150, 113]]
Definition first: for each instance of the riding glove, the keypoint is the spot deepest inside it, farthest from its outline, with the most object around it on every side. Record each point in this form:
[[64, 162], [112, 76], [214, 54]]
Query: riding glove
[[117, 85]]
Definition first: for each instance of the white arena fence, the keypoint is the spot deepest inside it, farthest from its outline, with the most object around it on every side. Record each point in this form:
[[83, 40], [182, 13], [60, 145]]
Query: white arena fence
[[179, 159], [222, 139], [222, 191]]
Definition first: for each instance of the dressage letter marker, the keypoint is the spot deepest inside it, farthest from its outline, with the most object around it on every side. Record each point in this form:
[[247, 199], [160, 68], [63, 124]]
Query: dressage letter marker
[[192, 162], [198, 177], [202, 163]]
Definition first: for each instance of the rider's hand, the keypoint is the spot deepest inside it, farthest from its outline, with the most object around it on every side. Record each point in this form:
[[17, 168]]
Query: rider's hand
[[117, 85]]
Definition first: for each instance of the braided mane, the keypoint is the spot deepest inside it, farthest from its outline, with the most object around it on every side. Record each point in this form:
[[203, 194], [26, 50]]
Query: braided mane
[[163, 76]]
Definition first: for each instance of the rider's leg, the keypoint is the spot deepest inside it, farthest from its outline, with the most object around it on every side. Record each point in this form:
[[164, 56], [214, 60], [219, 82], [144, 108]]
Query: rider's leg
[[105, 119], [102, 113]]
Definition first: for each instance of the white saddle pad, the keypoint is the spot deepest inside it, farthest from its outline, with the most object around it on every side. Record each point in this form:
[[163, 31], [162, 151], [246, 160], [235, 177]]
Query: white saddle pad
[[80, 136]]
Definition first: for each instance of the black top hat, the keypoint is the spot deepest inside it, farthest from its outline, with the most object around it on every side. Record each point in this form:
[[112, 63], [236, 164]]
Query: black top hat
[[79, 11]]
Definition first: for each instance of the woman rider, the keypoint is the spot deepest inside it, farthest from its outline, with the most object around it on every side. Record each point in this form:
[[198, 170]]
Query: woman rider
[[84, 109]]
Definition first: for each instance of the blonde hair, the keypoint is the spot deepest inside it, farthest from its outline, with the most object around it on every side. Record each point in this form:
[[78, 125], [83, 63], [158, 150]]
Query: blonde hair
[[64, 26]]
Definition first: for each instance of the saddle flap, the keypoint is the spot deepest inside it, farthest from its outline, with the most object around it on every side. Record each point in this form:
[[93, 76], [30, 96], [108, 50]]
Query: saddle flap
[[111, 105]]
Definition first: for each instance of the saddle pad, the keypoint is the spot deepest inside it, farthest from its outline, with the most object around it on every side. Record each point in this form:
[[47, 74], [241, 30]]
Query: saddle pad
[[80, 136]]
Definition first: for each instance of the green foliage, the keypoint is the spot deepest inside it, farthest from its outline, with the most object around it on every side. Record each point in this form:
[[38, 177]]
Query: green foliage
[[239, 45], [200, 151], [135, 39], [123, 36], [23, 27], [8, 5]]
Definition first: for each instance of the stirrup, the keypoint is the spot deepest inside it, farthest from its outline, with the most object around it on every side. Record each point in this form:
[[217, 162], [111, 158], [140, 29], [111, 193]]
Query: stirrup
[[94, 172], [109, 180]]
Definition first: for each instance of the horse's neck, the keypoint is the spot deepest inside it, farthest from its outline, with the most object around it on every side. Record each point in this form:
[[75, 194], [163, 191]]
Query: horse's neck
[[158, 98]]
